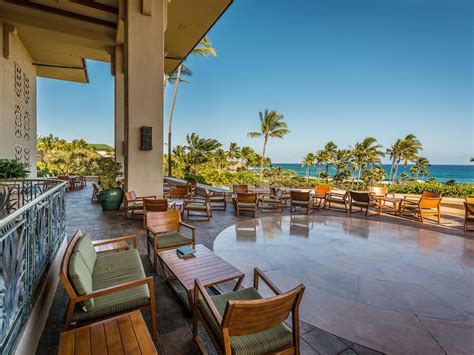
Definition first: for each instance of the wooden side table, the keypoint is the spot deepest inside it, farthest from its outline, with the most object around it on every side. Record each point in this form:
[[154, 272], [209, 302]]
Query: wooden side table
[[205, 266], [124, 334]]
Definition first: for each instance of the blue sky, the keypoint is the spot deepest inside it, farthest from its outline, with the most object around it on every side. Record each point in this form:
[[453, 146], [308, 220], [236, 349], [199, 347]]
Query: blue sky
[[338, 70]]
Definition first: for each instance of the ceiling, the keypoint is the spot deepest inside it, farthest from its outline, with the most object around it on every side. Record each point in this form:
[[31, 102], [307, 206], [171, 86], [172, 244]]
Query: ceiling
[[61, 34]]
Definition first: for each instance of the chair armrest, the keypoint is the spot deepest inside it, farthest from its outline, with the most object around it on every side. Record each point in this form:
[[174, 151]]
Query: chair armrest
[[117, 288], [199, 289], [257, 273], [335, 194], [144, 197], [193, 229], [132, 237], [411, 197], [392, 194], [409, 202]]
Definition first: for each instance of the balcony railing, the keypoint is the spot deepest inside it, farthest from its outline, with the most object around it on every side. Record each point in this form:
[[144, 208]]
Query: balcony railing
[[32, 227]]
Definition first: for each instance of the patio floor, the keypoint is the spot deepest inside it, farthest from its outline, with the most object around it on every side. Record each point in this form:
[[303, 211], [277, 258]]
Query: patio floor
[[174, 322]]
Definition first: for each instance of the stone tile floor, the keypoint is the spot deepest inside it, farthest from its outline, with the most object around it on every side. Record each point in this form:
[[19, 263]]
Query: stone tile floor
[[174, 322]]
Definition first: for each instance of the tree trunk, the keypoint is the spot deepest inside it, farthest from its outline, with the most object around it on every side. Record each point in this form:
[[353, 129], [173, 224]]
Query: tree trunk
[[262, 161], [391, 170], [395, 172], [358, 177], [170, 119]]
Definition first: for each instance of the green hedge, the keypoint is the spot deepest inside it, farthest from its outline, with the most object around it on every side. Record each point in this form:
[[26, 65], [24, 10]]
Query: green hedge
[[456, 190]]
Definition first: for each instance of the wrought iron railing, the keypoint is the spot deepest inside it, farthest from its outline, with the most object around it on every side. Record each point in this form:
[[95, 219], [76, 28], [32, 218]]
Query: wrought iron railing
[[32, 227]]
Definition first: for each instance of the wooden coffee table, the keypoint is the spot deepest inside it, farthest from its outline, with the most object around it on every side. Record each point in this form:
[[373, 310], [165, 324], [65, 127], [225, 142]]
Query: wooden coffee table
[[205, 266], [124, 334]]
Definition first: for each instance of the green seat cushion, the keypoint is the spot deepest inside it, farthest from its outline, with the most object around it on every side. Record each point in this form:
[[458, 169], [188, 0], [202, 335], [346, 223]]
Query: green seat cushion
[[252, 344], [246, 205], [363, 204], [81, 279], [196, 206], [112, 270], [217, 198], [335, 200], [270, 199], [299, 203], [86, 248], [136, 206], [169, 240]]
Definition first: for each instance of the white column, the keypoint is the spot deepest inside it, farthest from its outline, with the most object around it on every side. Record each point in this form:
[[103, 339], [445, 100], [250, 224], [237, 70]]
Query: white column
[[144, 61]]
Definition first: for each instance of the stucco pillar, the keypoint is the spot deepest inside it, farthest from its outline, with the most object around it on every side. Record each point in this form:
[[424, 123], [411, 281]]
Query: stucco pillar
[[144, 61], [119, 105]]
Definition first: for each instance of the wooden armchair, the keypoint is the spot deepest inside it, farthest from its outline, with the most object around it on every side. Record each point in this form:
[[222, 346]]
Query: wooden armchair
[[363, 200], [200, 209], [134, 203], [217, 199], [468, 212], [273, 201], [179, 192], [154, 205], [319, 195], [104, 286], [300, 199], [337, 198], [238, 189], [246, 202], [428, 205], [243, 322], [164, 232]]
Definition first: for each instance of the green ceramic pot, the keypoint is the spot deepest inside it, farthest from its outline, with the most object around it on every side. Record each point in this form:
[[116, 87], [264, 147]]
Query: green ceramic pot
[[111, 199]]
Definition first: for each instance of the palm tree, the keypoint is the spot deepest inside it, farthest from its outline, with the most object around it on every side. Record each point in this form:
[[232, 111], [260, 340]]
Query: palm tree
[[271, 126], [203, 49], [366, 153], [234, 153], [472, 159], [319, 160], [308, 162], [421, 165], [330, 151], [406, 150], [199, 150]]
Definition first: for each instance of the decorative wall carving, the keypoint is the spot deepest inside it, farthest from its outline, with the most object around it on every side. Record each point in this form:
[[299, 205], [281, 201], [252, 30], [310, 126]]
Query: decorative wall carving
[[26, 88], [26, 126], [18, 122], [26, 155], [18, 152], [18, 79]]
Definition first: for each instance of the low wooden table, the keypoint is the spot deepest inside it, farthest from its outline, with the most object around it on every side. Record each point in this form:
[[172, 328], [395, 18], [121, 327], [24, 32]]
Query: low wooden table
[[205, 266], [124, 334], [395, 201]]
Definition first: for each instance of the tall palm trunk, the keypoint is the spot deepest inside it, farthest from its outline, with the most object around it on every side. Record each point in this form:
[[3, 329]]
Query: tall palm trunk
[[391, 169], [262, 161], [395, 173], [170, 120], [358, 177]]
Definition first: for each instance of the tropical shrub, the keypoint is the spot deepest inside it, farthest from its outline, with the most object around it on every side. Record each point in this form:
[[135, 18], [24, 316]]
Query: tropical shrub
[[13, 169], [456, 190]]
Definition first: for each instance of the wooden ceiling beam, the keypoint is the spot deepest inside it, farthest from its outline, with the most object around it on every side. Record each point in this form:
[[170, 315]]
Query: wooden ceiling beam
[[96, 5], [60, 12]]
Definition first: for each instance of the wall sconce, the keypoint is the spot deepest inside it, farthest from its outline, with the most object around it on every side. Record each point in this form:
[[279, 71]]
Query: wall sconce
[[145, 138]]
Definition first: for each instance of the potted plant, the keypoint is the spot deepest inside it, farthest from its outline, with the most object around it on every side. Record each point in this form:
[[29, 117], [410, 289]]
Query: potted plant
[[111, 194], [13, 169]]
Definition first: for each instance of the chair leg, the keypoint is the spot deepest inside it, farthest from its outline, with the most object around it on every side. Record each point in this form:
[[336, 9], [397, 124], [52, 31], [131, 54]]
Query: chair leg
[[154, 329]]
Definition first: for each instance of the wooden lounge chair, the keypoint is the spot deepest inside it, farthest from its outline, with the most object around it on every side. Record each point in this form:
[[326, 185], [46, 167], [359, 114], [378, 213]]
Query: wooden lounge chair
[[363, 200], [236, 189], [337, 198], [246, 202], [217, 199], [154, 205], [105, 286], [199, 208], [273, 201], [469, 213], [300, 199], [319, 195], [428, 205], [134, 203], [164, 232], [179, 192], [243, 322]]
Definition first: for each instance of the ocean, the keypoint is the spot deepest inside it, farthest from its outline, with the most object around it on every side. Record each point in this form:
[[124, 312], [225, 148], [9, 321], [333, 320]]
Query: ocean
[[443, 173]]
